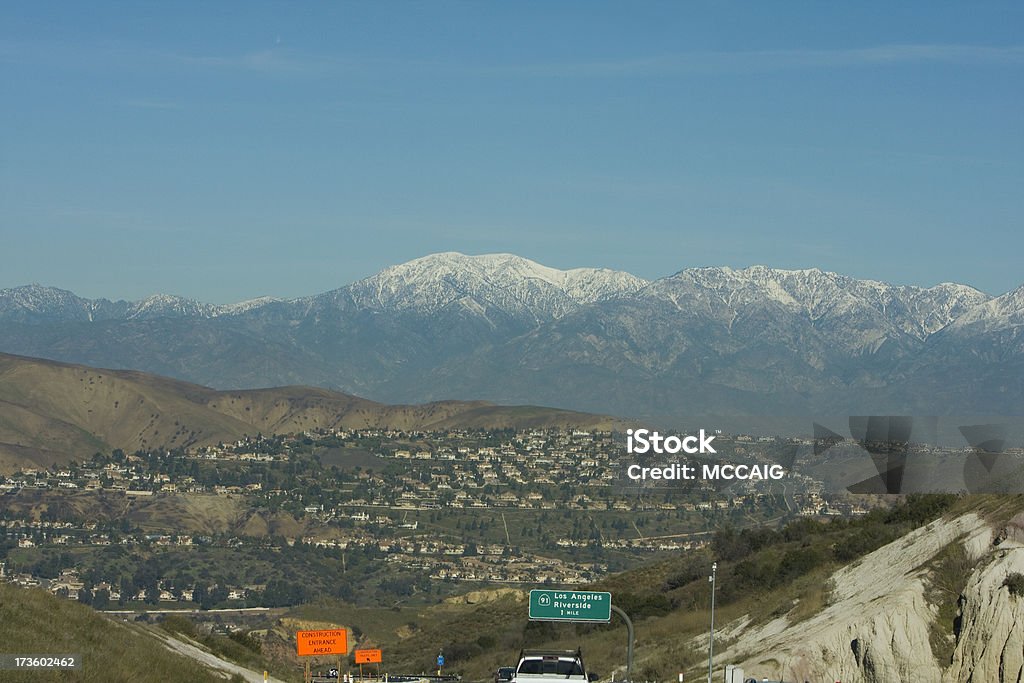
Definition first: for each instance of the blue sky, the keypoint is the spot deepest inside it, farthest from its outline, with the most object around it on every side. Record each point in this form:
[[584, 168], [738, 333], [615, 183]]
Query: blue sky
[[229, 150]]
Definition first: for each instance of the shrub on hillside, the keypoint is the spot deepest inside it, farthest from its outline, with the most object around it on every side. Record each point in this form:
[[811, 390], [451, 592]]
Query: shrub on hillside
[[1015, 582], [175, 623], [247, 641], [639, 606], [689, 568], [920, 508], [863, 540], [800, 561]]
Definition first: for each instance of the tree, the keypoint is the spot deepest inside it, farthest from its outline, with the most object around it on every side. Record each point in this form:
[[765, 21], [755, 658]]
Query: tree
[[101, 599], [201, 596], [282, 593]]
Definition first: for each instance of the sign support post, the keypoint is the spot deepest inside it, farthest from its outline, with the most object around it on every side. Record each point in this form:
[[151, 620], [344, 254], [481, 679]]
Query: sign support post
[[629, 646]]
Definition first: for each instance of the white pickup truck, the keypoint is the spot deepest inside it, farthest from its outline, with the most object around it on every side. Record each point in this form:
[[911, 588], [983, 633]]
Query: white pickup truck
[[552, 666]]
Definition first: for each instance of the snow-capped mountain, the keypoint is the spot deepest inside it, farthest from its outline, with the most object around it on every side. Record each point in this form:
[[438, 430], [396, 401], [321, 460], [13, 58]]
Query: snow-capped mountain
[[38, 303], [1002, 312], [821, 295], [505, 283], [502, 327], [862, 313], [167, 306], [247, 305]]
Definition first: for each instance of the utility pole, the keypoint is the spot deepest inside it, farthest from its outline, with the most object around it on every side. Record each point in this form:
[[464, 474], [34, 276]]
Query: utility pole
[[711, 642]]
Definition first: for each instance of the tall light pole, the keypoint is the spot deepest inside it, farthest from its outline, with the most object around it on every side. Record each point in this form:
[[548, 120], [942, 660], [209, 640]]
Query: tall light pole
[[711, 643]]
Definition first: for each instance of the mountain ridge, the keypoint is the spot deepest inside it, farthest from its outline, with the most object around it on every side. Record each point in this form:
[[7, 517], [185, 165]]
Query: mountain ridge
[[499, 327], [572, 279]]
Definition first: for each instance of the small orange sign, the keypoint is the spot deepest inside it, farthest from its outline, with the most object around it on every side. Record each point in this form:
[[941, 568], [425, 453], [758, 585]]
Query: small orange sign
[[329, 642], [369, 656]]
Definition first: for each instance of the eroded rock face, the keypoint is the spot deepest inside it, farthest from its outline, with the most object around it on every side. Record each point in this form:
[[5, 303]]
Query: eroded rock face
[[876, 628], [484, 596], [990, 642]]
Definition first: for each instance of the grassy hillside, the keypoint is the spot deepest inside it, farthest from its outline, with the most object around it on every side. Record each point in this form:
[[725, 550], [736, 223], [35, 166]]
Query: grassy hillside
[[34, 622], [73, 411], [52, 412]]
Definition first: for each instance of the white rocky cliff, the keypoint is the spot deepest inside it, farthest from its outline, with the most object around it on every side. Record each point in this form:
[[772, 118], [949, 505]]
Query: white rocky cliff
[[990, 643], [881, 619]]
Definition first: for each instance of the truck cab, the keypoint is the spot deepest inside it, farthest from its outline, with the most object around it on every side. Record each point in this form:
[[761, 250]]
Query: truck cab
[[552, 666]]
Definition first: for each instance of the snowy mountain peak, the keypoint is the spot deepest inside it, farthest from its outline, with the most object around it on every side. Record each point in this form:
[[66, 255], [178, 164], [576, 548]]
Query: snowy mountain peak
[[503, 265], [825, 296], [37, 297], [168, 305], [999, 313], [38, 303], [511, 283], [247, 305]]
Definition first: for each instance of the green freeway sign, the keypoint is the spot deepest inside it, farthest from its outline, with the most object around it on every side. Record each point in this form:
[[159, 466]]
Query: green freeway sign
[[567, 605]]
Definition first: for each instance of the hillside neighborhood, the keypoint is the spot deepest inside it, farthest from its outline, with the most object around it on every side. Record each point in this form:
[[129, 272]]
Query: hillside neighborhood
[[433, 503]]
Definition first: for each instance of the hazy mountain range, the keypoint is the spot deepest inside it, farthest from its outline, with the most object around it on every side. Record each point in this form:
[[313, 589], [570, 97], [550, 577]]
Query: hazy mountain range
[[502, 328]]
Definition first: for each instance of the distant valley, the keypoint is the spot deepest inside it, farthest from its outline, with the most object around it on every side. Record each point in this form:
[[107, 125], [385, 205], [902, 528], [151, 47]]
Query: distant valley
[[501, 328]]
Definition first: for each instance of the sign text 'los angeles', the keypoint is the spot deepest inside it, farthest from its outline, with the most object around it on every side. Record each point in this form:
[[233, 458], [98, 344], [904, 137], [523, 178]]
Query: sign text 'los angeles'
[[564, 605]]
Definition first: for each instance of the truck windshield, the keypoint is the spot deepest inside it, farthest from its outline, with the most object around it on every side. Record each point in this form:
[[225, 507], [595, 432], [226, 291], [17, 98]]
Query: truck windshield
[[561, 667], [565, 668]]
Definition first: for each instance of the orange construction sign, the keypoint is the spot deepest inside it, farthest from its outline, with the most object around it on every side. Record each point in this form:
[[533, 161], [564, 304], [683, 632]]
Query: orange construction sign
[[329, 642], [369, 656]]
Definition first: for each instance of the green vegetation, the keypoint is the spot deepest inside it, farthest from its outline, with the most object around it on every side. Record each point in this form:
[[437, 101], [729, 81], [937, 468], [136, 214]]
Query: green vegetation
[[1015, 583], [34, 622], [285, 575], [759, 558], [948, 578]]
